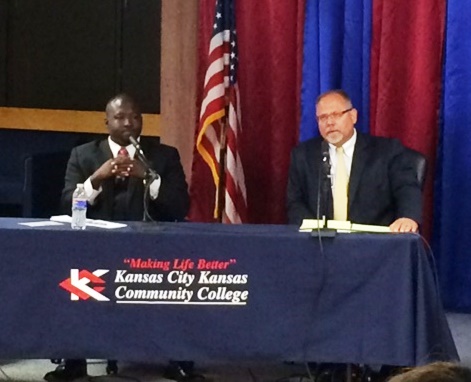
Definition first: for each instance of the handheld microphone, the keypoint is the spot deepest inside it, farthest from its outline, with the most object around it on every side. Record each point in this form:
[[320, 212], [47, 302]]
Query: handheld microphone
[[142, 158]]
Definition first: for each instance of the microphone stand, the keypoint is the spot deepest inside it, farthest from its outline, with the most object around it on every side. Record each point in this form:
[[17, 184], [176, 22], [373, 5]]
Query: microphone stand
[[323, 188], [150, 176]]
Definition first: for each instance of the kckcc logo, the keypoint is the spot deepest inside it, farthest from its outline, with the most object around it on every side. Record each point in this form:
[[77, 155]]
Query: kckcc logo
[[78, 286]]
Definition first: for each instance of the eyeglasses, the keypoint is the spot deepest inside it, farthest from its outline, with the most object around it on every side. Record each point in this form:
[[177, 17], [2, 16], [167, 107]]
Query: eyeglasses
[[323, 118]]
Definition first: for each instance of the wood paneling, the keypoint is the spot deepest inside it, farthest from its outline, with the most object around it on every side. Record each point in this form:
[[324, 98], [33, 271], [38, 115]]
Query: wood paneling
[[66, 120], [178, 82]]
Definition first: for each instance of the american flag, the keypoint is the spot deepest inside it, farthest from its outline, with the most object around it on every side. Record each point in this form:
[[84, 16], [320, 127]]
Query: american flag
[[220, 115]]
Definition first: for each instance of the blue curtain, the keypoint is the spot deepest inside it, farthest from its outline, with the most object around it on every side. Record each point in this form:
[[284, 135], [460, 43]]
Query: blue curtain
[[453, 181], [337, 39]]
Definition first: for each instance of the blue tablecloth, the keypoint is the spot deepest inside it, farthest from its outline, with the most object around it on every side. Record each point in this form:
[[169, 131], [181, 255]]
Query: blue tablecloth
[[153, 292]]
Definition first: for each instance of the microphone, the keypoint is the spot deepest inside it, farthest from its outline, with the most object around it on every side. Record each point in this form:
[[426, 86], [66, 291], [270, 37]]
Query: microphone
[[325, 178], [325, 164], [142, 158]]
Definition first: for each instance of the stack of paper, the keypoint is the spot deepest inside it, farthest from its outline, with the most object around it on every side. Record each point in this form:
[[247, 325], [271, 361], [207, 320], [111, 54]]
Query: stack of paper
[[309, 225], [370, 228]]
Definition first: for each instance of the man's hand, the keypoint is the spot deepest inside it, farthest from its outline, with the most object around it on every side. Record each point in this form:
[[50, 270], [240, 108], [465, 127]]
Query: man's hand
[[138, 170], [404, 225], [119, 166], [122, 166]]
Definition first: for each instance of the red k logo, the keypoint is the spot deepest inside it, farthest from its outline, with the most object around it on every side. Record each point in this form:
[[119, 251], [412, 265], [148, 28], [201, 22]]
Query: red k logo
[[78, 286]]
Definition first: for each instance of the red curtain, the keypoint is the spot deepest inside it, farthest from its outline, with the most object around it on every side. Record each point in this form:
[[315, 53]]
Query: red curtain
[[270, 61], [406, 62]]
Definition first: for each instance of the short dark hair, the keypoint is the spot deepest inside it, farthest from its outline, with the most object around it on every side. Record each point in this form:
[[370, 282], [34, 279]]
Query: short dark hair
[[435, 372], [340, 92], [125, 97]]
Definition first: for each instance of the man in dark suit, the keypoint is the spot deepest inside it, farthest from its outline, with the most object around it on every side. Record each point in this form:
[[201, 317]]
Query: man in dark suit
[[114, 180], [381, 188]]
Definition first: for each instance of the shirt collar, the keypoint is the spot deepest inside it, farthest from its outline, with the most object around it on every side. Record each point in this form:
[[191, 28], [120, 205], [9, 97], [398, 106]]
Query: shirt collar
[[114, 147]]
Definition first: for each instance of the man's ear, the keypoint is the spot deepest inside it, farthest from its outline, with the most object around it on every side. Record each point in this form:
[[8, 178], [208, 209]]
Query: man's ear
[[354, 115]]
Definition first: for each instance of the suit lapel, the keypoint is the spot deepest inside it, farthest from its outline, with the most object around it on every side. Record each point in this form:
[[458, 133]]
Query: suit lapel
[[360, 156], [313, 169], [104, 153], [314, 156]]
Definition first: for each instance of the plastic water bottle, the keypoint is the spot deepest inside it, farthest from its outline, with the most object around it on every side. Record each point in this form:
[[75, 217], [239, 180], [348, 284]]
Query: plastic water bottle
[[79, 208]]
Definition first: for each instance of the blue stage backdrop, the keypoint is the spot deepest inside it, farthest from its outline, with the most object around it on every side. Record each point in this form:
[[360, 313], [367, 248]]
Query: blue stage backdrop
[[453, 182], [337, 38]]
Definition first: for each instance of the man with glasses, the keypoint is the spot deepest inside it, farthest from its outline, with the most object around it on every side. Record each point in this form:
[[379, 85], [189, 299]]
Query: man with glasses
[[368, 181]]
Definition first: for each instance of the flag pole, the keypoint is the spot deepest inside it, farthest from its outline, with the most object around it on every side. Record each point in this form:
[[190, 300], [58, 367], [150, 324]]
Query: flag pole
[[221, 189]]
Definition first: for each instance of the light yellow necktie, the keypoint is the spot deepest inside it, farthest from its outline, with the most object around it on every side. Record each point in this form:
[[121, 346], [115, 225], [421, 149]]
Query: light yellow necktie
[[340, 187]]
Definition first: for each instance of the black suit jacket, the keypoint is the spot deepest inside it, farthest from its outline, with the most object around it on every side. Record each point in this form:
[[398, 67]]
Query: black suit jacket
[[171, 204], [382, 186]]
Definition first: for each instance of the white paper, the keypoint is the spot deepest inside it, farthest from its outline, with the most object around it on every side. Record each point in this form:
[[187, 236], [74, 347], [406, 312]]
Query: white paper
[[90, 222], [340, 225], [43, 223], [371, 228], [311, 224]]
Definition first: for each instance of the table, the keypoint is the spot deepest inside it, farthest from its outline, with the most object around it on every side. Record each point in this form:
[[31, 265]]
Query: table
[[153, 292]]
